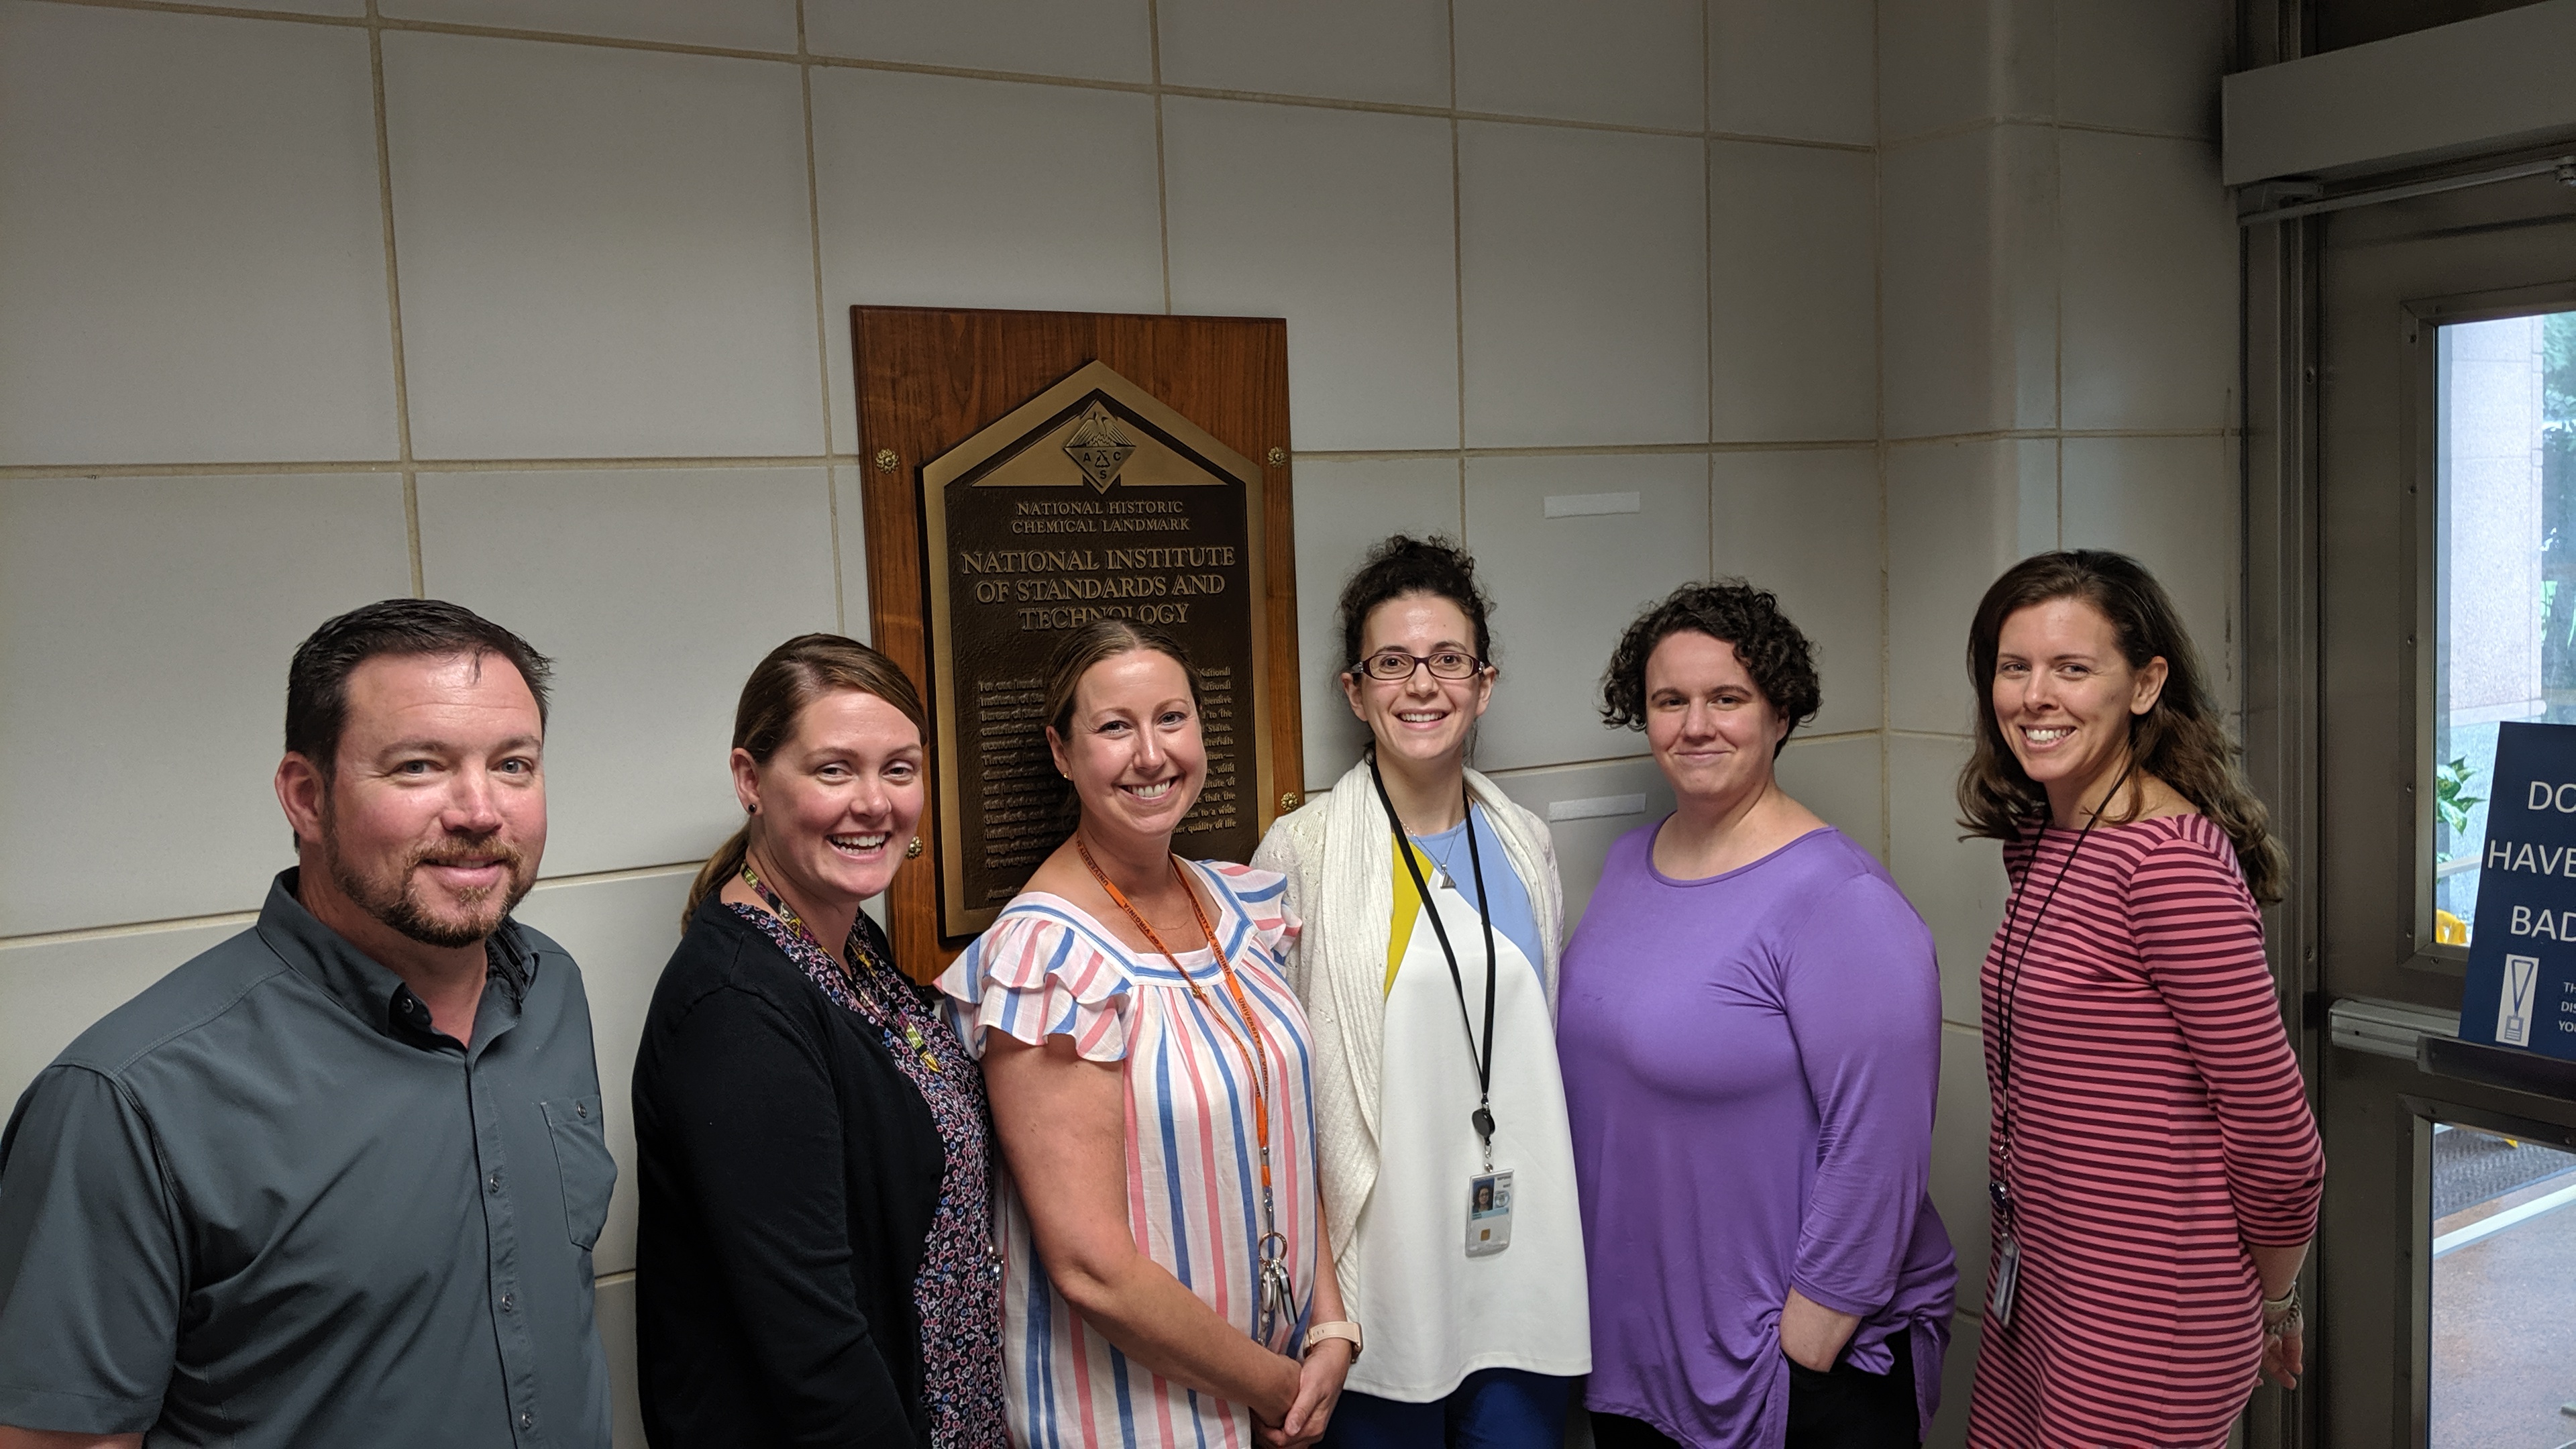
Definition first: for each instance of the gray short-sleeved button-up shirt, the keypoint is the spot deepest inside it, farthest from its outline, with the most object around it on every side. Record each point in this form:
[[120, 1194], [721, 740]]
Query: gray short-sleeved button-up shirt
[[265, 1204]]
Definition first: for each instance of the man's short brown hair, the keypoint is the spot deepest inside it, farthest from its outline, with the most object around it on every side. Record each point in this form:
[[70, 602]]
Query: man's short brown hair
[[317, 682]]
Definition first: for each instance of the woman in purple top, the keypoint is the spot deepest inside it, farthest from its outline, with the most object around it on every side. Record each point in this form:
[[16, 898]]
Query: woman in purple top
[[1751, 1036]]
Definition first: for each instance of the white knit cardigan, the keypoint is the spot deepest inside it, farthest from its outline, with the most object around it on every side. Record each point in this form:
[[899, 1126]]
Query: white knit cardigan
[[1339, 857]]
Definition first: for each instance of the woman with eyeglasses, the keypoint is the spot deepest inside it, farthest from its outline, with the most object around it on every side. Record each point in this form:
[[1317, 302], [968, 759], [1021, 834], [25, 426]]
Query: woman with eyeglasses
[[1428, 969], [1164, 1282]]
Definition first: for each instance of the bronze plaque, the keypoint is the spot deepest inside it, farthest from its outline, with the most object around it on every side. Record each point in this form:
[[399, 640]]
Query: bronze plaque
[[1090, 500]]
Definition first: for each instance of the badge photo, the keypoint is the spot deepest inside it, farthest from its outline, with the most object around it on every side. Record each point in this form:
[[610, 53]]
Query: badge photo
[[1489, 1214]]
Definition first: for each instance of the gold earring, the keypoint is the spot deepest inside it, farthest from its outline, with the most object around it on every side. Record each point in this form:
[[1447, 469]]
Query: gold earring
[[913, 849]]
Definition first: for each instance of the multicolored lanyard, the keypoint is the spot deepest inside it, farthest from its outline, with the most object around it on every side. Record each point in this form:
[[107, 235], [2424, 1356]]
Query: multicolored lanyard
[[1277, 1289], [892, 1018]]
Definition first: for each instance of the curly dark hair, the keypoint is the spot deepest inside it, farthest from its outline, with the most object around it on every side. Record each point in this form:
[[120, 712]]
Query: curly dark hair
[[1405, 565], [1781, 661]]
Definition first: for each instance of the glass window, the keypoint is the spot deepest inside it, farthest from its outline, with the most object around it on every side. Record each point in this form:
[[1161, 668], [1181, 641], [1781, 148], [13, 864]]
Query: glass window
[[2503, 1247], [2504, 444]]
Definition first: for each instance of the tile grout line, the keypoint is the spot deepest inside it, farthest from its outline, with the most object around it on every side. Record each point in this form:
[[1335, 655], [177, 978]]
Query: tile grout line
[[822, 326], [1162, 170], [1458, 259], [393, 303], [844, 460], [811, 59], [168, 924], [1708, 267], [814, 234], [827, 460], [1708, 276], [1878, 425]]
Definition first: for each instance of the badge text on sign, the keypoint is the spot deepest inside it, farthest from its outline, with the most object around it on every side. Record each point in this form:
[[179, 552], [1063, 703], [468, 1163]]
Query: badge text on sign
[[2522, 954]]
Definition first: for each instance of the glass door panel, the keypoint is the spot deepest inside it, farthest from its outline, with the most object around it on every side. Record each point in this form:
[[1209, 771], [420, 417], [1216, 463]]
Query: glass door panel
[[2503, 1252], [2505, 463]]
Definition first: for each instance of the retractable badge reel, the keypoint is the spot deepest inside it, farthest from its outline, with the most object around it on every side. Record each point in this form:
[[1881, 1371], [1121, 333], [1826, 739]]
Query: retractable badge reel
[[1489, 1193]]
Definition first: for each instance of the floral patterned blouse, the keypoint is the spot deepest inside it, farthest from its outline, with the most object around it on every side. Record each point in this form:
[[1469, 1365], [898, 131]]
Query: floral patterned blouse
[[958, 1292]]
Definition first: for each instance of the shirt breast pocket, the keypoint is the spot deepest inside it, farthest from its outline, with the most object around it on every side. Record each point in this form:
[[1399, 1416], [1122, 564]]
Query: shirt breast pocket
[[580, 1134]]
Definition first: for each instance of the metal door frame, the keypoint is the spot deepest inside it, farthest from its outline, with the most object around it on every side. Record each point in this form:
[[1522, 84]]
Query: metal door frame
[[2287, 656]]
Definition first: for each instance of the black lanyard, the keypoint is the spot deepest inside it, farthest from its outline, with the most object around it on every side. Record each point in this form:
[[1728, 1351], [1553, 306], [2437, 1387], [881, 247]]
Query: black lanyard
[[2008, 988], [1483, 1120]]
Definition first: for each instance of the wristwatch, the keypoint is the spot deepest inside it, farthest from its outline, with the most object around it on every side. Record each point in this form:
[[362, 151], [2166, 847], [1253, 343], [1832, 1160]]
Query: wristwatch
[[1341, 1328]]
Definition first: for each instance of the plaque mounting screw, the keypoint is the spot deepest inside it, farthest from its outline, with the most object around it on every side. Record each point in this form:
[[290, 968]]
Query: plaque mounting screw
[[1287, 801], [886, 460], [1278, 458]]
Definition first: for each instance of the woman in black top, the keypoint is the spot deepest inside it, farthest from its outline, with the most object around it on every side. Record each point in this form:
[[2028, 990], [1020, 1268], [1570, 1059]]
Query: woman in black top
[[815, 1261]]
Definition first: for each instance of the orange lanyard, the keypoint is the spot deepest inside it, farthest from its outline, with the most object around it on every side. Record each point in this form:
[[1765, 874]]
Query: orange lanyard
[[1276, 1291], [1257, 1058]]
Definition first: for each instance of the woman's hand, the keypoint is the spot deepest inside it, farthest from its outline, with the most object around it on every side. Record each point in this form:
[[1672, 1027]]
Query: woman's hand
[[1813, 1335], [2284, 1352], [2276, 1276], [1319, 1388]]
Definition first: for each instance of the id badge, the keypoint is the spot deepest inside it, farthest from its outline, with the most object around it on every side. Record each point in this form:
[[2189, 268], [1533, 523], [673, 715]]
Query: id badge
[[1999, 1301], [1489, 1214]]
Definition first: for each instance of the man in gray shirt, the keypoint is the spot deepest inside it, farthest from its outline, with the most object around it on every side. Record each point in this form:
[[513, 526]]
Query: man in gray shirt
[[335, 1182]]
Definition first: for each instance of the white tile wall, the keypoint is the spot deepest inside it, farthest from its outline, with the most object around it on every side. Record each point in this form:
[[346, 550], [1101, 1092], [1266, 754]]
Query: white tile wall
[[1619, 356], [1966, 512], [1944, 63], [1957, 885], [1839, 780], [850, 540], [1567, 587], [1361, 50], [941, 192], [1341, 222], [2143, 67], [616, 1313], [621, 931], [1968, 274], [604, 253], [1794, 295], [2150, 284], [2172, 504], [1343, 509], [1636, 62], [612, 254], [1095, 39], [193, 267], [56, 990], [131, 604], [1582, 844], [655, 591], [1958, 1373], [1805, 526], [1799, 68], [1959, 1156], [732, 24]]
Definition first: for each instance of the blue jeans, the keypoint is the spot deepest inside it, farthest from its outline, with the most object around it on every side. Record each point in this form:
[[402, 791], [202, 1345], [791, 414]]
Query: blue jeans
[[1495, 1408]]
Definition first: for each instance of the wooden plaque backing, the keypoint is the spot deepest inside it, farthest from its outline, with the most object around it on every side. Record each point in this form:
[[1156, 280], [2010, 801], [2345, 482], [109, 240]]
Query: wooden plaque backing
[[930, 378]]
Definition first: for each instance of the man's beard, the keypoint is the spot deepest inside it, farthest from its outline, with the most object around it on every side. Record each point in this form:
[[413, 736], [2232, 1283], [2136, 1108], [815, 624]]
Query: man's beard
[[397, 901]]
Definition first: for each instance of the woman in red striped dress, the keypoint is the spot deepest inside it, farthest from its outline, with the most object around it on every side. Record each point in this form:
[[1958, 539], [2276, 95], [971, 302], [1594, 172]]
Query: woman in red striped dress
[[2154, 1165]]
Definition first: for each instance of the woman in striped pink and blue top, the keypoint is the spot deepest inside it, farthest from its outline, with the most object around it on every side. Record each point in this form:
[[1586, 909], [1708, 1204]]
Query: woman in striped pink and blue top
[[1164, 1278]]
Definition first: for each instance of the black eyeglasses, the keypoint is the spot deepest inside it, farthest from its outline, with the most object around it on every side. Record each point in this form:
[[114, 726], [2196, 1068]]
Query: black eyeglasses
[[1393, 665]]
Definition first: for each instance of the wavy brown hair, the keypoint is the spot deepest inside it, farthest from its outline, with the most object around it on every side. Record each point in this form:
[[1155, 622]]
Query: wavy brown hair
[[797, 673], [2179, 740]]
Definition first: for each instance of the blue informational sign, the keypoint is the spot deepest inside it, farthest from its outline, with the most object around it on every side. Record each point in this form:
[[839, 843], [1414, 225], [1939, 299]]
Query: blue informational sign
[[2522, 948]]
